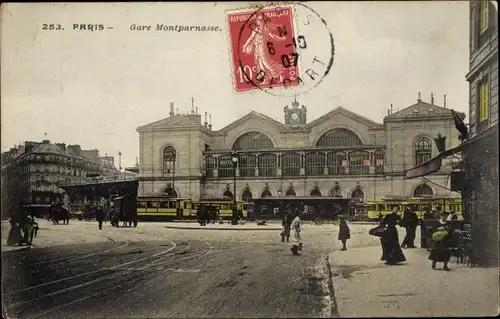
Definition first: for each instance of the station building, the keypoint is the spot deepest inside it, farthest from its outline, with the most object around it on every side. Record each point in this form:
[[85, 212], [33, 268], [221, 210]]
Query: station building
[[341, 154]]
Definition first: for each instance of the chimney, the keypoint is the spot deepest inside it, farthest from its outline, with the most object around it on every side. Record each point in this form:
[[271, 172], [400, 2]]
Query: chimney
[[137, 161], [388, 112], [205, 123], [177, 111], [196, 110], [432, 98], [419, 97], [444, 102], [391, 108], [171, 109], [210, 122], [192, 105]]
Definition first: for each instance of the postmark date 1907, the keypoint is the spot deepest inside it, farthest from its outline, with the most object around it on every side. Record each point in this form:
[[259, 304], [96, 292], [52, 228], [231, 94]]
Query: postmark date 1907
[[265, 51]]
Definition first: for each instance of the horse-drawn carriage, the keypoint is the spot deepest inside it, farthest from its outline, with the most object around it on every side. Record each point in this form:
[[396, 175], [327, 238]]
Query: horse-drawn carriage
[[124, 210], [57, 212]]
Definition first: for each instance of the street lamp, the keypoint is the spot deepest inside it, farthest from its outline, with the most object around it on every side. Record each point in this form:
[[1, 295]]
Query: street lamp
[[234, 159], [440, 142]]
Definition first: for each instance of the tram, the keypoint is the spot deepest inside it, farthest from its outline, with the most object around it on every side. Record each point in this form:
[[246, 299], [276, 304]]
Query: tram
[[419, 205], [311, 207]]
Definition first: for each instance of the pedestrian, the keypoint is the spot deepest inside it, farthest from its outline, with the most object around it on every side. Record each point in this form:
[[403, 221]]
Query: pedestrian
[[30, 225], [452, 216], [440, 246], [410, 223], [285, 232], [15, 234], [391, 250], [296, 239], [344, 232], [99, 216]]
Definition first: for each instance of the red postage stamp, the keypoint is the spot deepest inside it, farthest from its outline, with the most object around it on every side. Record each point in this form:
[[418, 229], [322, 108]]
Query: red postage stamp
[[263, 49]]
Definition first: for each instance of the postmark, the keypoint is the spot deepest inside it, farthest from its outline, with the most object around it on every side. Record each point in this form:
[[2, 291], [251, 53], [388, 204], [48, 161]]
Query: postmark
[[282, 50]]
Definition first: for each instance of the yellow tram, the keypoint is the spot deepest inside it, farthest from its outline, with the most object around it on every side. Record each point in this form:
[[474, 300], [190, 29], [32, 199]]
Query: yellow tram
[[419, 205], [162, 208]]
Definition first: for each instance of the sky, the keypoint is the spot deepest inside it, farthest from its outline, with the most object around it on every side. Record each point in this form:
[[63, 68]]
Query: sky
[[94, 88]]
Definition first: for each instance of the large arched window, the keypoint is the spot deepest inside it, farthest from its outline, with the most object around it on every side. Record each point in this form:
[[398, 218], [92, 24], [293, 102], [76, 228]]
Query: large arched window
[[225, 168], [290, 164], [358, 194], [339, 137], [423, 190], [379, 159], [290, 192], [315, 163], [247, 164], [227, 193], [315, 192], [359, 162], [253, 141], [209, 166], [423, 150], [169, 157], [336, 192], [336, 163], [267, 164], [169, 191], [266, 193], [247, 195]]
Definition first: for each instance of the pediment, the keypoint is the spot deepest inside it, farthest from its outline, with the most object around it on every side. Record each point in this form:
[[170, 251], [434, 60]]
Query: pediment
[[252, 117], [420, 109], [342, 112], [173, 121]]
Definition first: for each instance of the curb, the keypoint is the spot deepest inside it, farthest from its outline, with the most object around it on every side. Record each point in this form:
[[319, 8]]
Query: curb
[[17, 248], [231, 229], [334, 310]]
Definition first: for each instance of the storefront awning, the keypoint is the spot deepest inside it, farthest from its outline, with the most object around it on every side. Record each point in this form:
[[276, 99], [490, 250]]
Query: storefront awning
[[432, 165]]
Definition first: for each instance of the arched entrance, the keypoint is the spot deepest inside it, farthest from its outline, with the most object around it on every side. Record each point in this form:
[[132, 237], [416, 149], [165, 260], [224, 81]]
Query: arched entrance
[[358, 194], [290, 192], [228, 193], [336, 192], [169, 191], [423, 190], [247, 195], [266, 193], [315, 192]]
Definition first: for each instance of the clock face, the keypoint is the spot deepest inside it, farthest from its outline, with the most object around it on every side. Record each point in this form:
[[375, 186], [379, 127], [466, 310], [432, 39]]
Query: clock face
[[295, 116]]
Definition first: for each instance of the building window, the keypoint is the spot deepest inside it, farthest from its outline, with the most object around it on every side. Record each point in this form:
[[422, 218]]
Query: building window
[[290, 192], [423, 150], [315, 192], [484, 16], [340, 137], [246, 195], [483, 101], [315, 163], [290, 164], [267, 164], [359, 162], [169, 157], [358, 194], [423, 190], [379, 157], [337, 163], [253, 141], [225, 167], [209, 166], [266, 193], [247, 165]]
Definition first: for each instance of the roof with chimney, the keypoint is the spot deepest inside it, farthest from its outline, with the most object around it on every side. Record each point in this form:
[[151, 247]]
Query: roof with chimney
[[423, 109], [45, 147]]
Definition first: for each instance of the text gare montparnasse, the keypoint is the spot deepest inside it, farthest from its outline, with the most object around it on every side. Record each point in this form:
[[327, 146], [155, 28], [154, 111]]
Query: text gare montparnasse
[[175, 28]]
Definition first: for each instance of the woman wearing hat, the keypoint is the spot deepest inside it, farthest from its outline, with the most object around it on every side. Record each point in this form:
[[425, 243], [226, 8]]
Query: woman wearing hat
[[344, 232], [440, 249], [391, 250]]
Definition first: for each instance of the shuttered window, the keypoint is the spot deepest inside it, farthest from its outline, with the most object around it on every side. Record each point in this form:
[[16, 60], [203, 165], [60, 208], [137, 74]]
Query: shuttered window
[[484, 16], [483, 102]]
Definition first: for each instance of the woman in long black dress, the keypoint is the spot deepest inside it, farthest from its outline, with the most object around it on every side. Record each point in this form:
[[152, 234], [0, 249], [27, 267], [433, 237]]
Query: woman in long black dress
[[391, 250]]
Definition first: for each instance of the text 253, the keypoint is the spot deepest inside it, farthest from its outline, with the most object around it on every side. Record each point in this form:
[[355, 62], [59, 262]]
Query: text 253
[[46, 26]]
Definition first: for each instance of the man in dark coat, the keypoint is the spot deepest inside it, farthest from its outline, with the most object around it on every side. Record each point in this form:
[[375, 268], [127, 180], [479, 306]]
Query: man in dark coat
[[410, 223], [441, 246], [99, 216], [344, 232], [287, 224]]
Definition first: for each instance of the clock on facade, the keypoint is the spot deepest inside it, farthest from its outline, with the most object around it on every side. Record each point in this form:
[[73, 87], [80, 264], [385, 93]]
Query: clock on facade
[[295, 116]]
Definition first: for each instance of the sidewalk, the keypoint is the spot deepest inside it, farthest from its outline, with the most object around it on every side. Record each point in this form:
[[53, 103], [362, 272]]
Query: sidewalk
[[247, 226], [365, 287]]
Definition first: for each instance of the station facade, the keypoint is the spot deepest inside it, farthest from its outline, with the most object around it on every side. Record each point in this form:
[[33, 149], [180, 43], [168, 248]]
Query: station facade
[[340, 154]]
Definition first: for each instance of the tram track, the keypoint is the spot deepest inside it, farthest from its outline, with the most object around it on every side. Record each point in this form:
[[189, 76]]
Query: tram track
[[140, 268]]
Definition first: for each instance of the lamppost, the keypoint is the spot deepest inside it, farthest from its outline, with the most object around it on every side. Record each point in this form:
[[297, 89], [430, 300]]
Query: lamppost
[[234, 159]]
